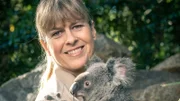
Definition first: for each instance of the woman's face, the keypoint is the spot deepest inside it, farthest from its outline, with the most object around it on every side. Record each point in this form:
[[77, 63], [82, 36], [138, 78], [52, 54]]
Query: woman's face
[[71, 44]]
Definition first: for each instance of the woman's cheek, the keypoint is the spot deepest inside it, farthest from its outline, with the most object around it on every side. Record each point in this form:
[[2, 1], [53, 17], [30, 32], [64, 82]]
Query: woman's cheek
[[56, 46]]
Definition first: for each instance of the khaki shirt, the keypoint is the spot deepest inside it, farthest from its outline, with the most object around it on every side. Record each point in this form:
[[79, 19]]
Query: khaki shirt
[[57, 87]]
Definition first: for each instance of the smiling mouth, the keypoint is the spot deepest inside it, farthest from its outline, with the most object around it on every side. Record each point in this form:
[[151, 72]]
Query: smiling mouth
[[75, 51]]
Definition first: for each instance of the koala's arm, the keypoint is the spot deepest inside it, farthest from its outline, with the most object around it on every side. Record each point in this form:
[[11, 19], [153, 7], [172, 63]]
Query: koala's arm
[[50, 97]]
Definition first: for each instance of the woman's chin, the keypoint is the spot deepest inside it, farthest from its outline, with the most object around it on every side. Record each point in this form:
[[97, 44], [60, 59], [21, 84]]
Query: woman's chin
[[79, 63]]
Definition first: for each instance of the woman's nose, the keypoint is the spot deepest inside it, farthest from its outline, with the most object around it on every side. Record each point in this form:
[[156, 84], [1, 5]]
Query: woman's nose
[[71, 38]]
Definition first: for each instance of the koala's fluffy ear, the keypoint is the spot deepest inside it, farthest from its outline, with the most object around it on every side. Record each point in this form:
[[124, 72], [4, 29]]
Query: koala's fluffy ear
[[121, 70], [92, 60], [110, 64]]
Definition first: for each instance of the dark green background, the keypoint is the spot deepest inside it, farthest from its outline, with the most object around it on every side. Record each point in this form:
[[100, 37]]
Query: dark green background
[[149, 28]]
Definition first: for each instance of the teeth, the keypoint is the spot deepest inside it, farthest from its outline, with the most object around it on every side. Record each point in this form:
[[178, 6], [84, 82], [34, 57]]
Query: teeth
[[74, 51]]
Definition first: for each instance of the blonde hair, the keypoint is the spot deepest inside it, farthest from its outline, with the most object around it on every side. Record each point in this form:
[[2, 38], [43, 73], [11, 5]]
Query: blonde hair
[[50, 12]]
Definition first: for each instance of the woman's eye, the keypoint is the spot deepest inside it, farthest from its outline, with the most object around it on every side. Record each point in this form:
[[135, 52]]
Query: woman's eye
[[56, 34], [77, 27]]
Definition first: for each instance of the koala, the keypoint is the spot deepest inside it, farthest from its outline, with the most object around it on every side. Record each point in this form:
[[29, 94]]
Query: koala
[[105, 81]]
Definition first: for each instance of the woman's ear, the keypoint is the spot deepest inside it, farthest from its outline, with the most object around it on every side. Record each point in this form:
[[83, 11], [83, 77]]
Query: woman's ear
[[93, 30], [45, 47]]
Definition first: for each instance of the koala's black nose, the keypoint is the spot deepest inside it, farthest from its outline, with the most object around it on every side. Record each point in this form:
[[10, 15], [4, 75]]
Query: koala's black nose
[[73, 88]]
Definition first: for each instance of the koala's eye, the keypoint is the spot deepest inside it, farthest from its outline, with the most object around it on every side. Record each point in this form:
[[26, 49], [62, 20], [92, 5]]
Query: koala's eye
[[87, 84]]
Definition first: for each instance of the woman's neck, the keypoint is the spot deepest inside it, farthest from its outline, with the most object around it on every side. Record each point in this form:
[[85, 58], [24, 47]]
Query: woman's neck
[[65, 76]]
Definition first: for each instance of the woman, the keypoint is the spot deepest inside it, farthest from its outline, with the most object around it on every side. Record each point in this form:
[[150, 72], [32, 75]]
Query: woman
[[67, 35]]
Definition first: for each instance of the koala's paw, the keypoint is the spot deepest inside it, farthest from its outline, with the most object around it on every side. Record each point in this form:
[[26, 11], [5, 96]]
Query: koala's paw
[[53, 97]]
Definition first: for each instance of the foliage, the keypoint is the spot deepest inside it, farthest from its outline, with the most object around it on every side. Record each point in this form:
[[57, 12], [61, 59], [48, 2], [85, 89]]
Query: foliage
[[19, 46], [148, 27]]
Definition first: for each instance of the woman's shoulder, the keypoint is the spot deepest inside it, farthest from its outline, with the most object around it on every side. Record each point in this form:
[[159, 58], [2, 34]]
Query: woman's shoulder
[[49, 91]]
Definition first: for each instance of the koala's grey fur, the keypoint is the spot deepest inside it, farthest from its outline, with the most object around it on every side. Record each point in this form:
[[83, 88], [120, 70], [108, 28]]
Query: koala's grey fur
[[105, 81]]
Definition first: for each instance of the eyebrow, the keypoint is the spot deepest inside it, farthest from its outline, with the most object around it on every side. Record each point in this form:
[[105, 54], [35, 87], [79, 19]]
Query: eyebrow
[[62, 25], [56, 28], [77, 21]]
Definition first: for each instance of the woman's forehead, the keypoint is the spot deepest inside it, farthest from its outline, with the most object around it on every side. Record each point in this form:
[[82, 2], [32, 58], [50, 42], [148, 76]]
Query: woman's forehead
[[62, 21]]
